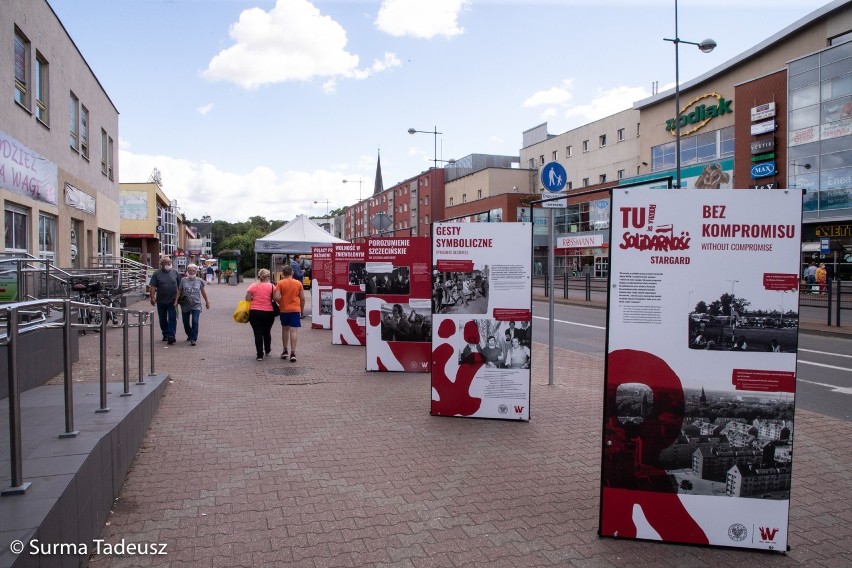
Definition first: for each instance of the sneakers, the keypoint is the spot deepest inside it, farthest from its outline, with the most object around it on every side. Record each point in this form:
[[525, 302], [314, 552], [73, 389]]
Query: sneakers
[[292, 357], [268, 351], [259, 358], [284, 354], [172, 341], [192, 342]]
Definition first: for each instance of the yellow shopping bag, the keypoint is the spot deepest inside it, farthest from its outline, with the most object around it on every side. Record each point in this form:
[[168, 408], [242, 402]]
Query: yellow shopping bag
[[241, 314]]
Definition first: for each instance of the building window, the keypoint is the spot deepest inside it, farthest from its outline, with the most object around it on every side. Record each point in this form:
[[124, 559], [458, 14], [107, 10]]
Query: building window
[[532, 163], [46, 236], [620, 174], [621, 135], [541, 160], [464, 198], [451, 201], [553, 156], [74, 122], [479, 194], [585, 145], [569, 151], [84, 131], [105, 243], [42, 92], [103, 151], [426, 219], [17, 231], [426, 202], [22, 69], [602, 140], [109, 157], [570, 185], [585, 182], [602, 178]]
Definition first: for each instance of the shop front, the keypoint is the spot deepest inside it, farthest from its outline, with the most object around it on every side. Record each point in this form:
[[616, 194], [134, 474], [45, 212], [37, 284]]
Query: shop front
[[829, 243]]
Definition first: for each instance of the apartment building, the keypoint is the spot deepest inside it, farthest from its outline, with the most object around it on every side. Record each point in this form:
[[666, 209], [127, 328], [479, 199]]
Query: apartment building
[[58, 143]]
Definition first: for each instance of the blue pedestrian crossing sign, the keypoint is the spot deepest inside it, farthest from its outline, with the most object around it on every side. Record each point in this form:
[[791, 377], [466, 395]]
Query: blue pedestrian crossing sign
[[553, 176]]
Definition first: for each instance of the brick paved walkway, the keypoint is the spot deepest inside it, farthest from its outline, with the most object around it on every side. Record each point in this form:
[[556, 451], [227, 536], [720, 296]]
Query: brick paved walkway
[[321, 464]]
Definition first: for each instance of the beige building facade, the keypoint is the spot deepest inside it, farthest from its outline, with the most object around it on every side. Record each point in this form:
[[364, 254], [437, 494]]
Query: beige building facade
[[58, 143]]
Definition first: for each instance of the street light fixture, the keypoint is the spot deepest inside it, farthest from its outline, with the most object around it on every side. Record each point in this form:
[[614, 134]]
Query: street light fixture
[[705, 46], [435, 134], [326, 205]]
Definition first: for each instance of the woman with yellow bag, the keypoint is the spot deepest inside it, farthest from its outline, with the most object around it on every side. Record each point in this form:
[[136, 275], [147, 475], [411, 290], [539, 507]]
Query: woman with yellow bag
[[261, 314]]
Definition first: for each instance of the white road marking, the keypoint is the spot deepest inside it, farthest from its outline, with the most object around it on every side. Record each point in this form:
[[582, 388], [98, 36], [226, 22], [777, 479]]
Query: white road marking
[[833, 388], [825, 353], [835, 367], [571, 323]]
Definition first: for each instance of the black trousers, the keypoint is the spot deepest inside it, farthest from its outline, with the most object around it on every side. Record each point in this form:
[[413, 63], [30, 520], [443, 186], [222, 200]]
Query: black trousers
[[261, 324]]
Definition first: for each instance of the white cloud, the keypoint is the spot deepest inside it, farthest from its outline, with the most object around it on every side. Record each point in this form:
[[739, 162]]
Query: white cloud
[[604, 102], [291, 42], [422, 19], [203, 189], [205, 109], [560, 95]]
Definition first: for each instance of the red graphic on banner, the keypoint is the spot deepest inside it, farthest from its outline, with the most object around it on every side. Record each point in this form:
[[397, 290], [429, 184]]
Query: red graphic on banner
[[632, 473], [780, 282], [454, 265], [339, 304], [454, 396], [512, 314], [763, 381]]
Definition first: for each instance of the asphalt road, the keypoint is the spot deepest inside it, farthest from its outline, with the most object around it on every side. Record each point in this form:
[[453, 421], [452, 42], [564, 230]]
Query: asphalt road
[[824, 371]]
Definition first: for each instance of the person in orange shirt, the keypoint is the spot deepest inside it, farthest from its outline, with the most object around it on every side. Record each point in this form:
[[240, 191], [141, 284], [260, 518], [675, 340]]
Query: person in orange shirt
[[290, 296]]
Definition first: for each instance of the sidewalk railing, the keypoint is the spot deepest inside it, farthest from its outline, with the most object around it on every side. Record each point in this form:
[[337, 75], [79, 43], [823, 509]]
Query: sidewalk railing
[[834, 297], [583, 287], [64, 317]]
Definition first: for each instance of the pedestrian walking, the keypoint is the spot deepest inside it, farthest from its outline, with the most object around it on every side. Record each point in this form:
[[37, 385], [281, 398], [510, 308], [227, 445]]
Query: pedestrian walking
[[191, 292], [290, 295], [164, 289], [209, 273], [261, 314]]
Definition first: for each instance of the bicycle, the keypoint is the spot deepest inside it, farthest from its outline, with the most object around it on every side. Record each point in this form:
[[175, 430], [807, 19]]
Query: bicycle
[[114, 311], [87, 293]]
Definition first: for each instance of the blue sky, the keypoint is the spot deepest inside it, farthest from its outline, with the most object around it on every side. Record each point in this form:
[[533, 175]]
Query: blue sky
[[261, 107]]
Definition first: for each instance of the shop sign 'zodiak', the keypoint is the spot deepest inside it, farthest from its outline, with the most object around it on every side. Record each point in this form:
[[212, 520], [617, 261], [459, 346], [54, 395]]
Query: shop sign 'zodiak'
[[701, 114]]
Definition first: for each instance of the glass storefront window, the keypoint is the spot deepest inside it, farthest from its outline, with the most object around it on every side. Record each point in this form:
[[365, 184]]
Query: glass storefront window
[[47, 236], [837, 87], [803, 117], [837, 109], [807, 96], [807, 78], [804, 64], [16, 226]]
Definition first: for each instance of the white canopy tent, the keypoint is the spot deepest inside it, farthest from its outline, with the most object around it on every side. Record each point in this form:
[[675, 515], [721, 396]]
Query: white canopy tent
[[297, 236]]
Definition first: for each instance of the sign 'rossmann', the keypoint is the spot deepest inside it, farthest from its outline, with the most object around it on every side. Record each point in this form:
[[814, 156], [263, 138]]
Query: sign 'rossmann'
[[702, 114]]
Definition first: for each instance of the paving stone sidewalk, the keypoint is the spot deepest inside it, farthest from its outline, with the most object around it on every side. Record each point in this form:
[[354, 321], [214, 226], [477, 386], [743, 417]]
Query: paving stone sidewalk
[[321, 464]]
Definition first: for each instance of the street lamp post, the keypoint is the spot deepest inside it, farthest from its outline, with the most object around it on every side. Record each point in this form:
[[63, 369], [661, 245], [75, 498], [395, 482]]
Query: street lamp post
[[326, 205], [435, 134], [705, 46]]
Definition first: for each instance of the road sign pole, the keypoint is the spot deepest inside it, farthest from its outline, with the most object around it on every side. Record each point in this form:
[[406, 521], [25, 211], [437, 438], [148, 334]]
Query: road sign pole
[[550, 272]]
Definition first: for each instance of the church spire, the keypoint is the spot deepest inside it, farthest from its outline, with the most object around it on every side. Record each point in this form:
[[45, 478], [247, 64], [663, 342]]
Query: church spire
[[379, 186]]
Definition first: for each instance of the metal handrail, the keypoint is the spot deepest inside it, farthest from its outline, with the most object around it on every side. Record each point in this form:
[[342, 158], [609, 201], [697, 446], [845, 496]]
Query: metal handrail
[[66, 307]]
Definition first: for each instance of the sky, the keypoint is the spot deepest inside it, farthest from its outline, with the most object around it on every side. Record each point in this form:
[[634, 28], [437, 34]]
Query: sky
[[264, 107]]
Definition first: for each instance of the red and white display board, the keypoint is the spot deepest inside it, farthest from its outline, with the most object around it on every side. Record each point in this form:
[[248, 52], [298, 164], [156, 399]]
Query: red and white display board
[[399, 304], [701, 366], [322, 269], [481, 328], [349, 306]]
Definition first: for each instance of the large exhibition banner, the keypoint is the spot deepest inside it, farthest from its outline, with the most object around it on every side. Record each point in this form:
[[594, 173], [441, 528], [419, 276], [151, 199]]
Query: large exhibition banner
[[701, 366], [399, 304], [322, 269], [481, 339], [349, 307]]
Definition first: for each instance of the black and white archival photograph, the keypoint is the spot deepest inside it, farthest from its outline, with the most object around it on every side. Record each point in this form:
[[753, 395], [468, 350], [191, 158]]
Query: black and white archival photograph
[[401, 322], [357, 273], [460, 292], [396, 280], [356, 305], [498, 344], [766, 322], [325, 302]]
